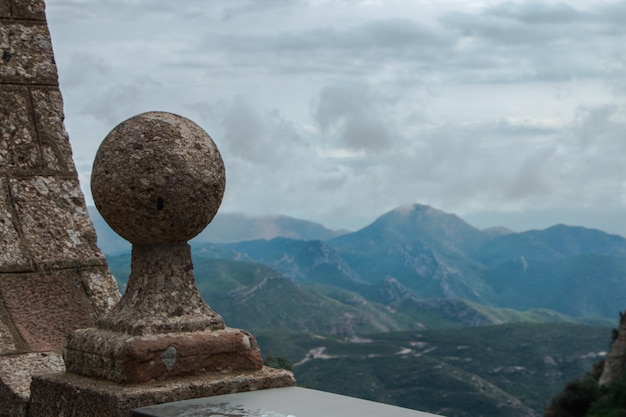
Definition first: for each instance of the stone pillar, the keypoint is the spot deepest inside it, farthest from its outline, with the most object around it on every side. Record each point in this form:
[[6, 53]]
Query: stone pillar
[[53, 277], [614, 368], [158, 180]]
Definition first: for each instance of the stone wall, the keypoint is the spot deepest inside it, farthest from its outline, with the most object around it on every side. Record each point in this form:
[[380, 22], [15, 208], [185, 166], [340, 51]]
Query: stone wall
[[53, 277]]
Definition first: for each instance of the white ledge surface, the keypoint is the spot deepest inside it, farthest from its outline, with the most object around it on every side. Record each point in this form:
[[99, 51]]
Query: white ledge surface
[[277, 402]]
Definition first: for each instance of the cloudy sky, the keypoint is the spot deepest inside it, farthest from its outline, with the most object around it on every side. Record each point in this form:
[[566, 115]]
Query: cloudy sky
[[503, 112]]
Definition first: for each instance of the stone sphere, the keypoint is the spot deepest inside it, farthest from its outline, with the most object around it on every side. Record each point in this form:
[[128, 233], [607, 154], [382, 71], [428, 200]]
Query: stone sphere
[[158, 178]]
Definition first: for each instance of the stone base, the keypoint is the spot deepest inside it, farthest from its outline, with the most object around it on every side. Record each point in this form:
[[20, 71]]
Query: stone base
[[71, 395], [124, 358], [16, 372]]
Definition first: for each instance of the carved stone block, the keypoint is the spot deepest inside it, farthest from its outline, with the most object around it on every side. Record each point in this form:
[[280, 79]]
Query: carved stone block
[[100, 287], [19, 148], [26, 53], [29, 9], [13, 257], [8, 341], [46, 306], [15, 377], [54, 222], [5, 8], [54, 141]]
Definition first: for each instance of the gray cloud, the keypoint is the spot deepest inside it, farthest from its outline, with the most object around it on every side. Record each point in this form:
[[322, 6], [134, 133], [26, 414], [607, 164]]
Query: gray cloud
[[340, 111], [117, 102], [543, 41], [353, 113], [537, 13], [236, 8], [256, 136], [82, 67]]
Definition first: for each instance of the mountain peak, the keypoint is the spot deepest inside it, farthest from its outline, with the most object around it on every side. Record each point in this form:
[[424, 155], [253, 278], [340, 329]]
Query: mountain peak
[[425, 219], [417, 209], [419, 224], [410, 208]]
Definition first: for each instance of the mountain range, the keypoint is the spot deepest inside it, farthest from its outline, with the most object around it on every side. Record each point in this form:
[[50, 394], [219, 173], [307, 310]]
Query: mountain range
[[421, 253], [414, 257], [416, 274]]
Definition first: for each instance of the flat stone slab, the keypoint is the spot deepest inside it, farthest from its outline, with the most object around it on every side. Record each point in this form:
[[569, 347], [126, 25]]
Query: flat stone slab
[[72, 395], [278, 402]]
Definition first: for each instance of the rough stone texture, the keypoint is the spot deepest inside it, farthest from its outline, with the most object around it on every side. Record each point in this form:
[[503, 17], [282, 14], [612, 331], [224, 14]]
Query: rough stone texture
[[9, 339], [19, 150], [100, 287], [55, 222], [53, 278], [54, 140], [15, 377], [30, 307], [32, 136], [114, 356], [29, 9], [5, 8], [13, 256], [161, 296], [26, 55], [158, 178], [615, 362], [70, 395]]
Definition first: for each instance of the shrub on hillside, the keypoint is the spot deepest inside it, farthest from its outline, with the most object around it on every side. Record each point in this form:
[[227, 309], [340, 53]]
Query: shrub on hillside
[[575, 400], [612, 402]]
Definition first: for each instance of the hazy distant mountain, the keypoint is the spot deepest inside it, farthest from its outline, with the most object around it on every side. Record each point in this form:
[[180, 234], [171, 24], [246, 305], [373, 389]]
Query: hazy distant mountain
[[429, 254], [415, 223], [226, 227], [426, 249], [497, 231], [232, 227], [555, 242], [573, 270]]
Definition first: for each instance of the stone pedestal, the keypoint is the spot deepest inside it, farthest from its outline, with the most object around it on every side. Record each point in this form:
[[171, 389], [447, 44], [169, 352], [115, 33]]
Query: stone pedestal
[[161, 296], [160, 328], [158, 180]]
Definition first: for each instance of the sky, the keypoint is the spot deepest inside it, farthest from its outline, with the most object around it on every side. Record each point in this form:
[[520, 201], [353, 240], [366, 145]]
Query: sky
[[507, 113]]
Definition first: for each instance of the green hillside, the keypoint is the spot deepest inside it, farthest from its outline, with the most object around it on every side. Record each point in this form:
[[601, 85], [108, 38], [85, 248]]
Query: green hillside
[[506, 370], [255, 296]]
